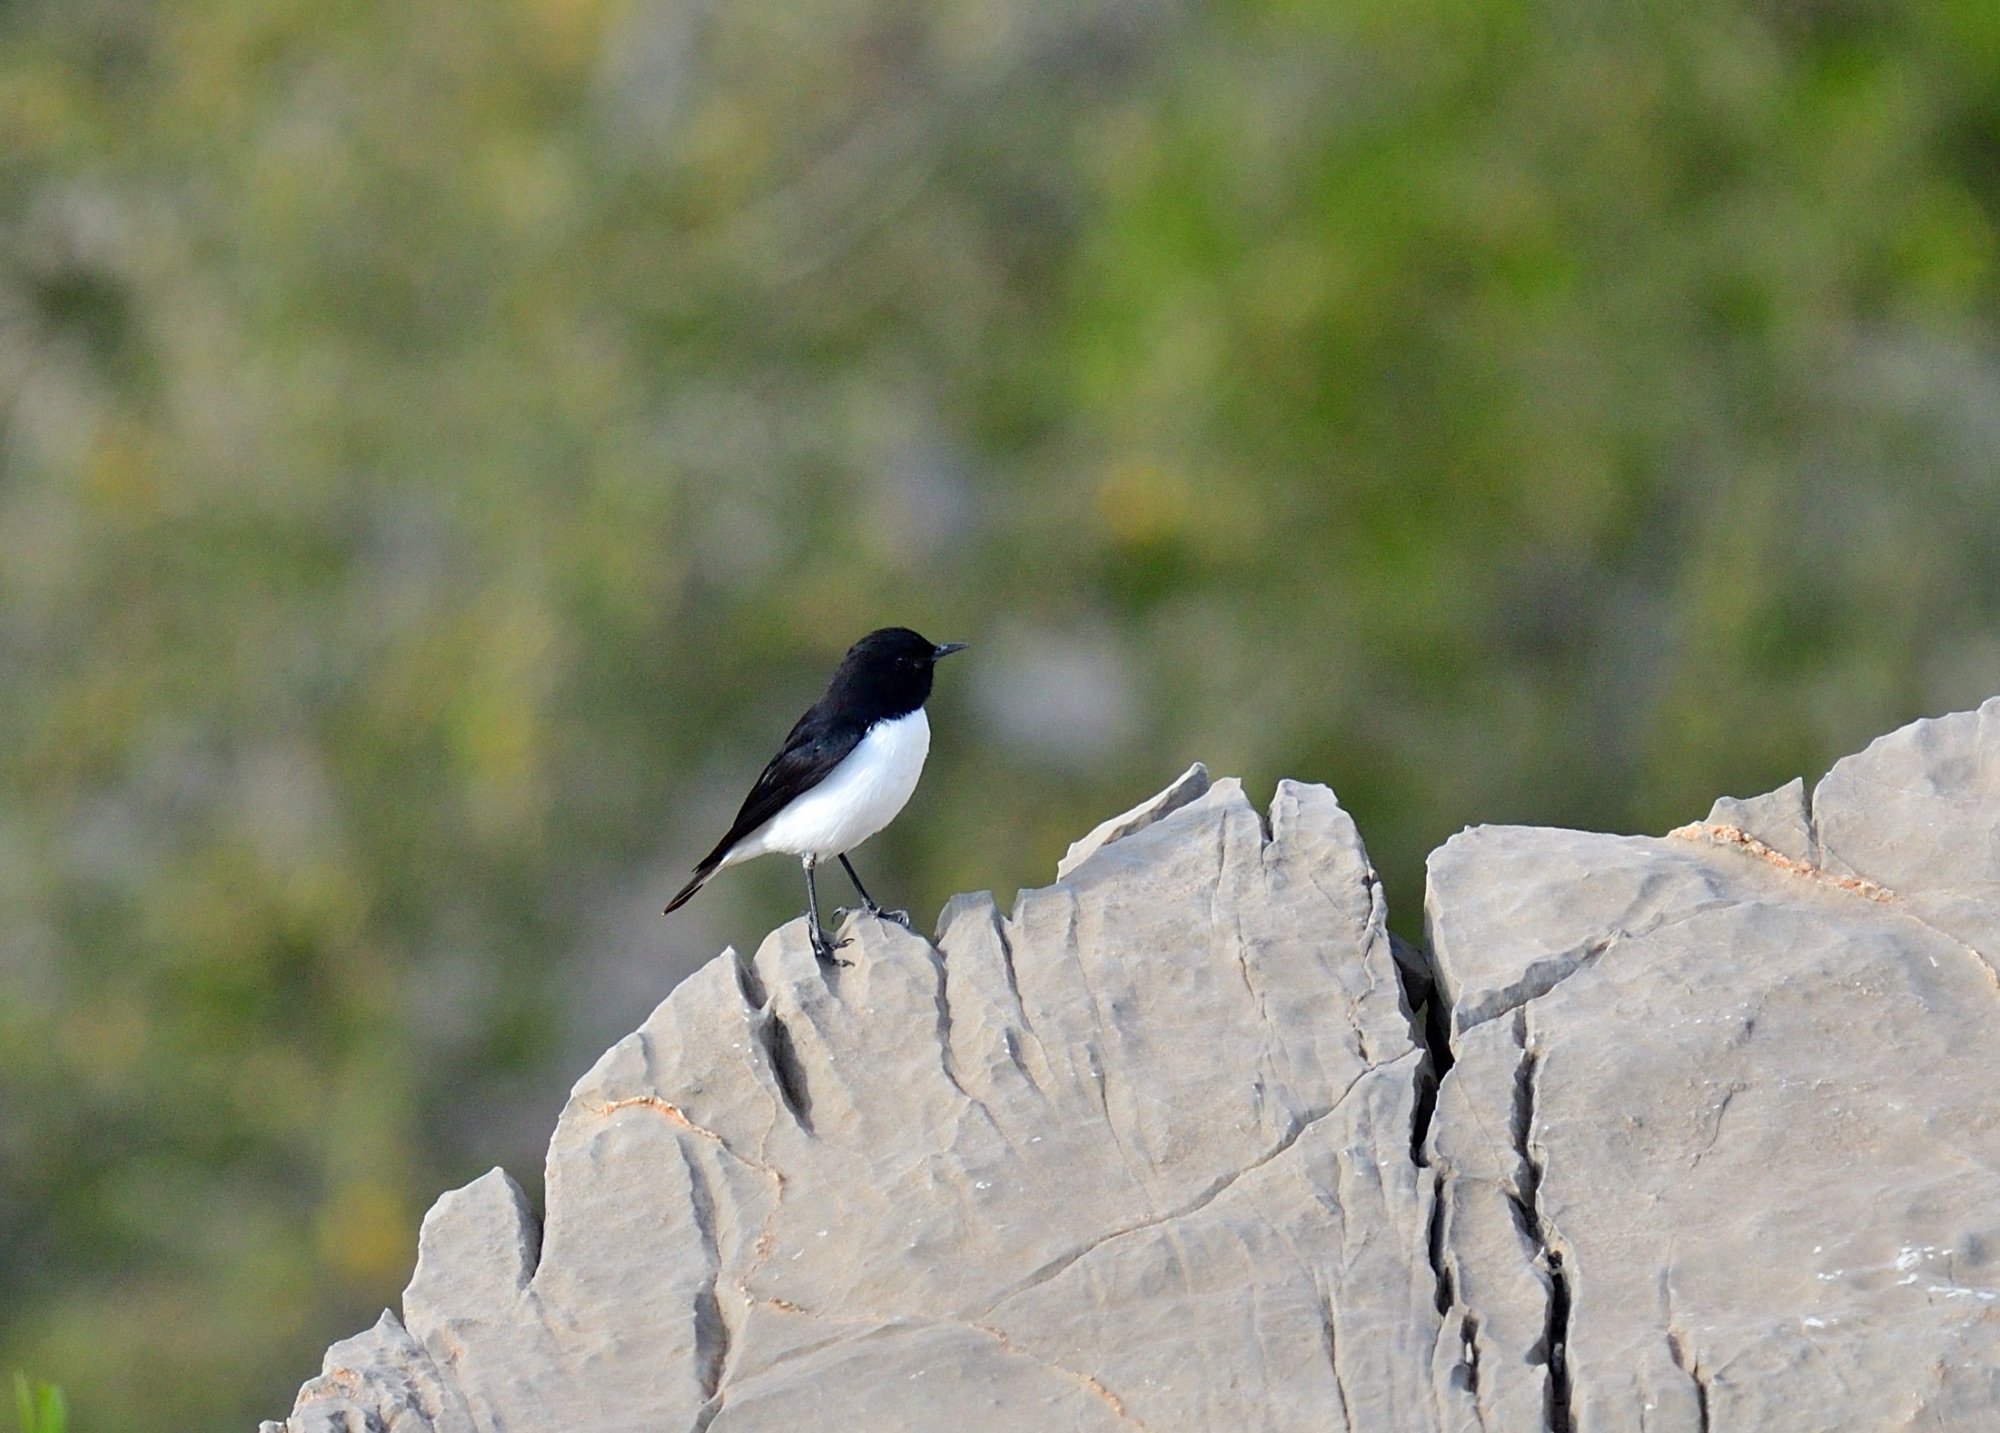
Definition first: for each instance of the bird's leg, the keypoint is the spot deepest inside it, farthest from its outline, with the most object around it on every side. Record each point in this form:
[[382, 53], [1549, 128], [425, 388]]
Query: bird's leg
[[867, 901], [823, 945], [901, 918]]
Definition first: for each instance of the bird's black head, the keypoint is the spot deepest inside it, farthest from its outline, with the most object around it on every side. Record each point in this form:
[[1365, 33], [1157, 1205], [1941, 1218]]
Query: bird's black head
[[886, 674]]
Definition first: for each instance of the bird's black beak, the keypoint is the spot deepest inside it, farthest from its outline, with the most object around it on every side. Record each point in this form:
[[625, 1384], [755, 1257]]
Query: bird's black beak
[[945, 649]]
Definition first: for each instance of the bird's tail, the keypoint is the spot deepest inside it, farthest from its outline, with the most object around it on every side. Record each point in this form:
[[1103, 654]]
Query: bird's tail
[[701, 875]]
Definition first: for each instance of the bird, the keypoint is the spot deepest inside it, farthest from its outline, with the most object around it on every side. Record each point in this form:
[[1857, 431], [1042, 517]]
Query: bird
[[845, 771]]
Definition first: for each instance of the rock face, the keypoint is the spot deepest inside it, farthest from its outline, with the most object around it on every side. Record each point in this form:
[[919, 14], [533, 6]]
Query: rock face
[[1725, 1120], [1715, 1145]]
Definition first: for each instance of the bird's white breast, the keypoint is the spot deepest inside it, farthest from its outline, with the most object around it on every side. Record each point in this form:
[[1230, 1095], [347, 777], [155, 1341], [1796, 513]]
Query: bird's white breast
[[855, 800]]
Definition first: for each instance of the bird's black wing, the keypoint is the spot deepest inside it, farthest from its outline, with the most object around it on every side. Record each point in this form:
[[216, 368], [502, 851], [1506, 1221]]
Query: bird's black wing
[[815, 746]]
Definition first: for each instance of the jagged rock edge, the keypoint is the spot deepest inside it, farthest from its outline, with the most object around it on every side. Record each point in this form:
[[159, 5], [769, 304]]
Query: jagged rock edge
[[769, 1038], [1538, 980], [764, 1018]]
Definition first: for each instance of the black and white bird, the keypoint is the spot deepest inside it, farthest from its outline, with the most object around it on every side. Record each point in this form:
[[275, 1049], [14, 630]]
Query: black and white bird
[[847, 768]]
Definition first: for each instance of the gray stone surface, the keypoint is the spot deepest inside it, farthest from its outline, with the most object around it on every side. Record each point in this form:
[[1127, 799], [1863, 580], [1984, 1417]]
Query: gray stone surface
[[1723, 1124], [1781, 820], [1188, 786], [1136, 1155], [1717, 1147], [380, 1381]]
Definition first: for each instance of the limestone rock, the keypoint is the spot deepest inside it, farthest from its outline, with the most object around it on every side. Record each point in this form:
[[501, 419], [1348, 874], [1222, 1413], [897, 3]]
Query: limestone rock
[[1186, 787], [381, 1380], [1716, 1145], [1721, 1146], [1134, 1156], [1780, 819]]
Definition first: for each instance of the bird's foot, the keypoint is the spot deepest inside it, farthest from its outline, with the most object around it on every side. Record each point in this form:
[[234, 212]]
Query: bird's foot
[[824, 947], [901, 918]]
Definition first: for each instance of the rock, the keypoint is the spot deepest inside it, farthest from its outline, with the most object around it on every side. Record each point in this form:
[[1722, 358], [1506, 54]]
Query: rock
[[381, 1380], [1780, 819], [1184, 788], [1715, 1145], [1136, 1155], [1722, 1125]]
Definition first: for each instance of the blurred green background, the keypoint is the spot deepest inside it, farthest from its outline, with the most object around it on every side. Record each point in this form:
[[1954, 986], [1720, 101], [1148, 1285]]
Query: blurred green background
[[444, 443]]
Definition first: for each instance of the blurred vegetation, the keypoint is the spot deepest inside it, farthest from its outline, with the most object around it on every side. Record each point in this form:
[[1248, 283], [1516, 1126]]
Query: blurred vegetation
[[444, 443], [39, 1407]]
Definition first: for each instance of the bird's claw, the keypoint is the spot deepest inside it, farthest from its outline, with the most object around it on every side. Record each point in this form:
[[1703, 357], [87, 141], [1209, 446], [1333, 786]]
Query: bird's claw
[[901, 918], [824, 947]]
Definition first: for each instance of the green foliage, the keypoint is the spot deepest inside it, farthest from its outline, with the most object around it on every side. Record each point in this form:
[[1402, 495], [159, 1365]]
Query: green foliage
[[39, 1407], [443, 444]]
